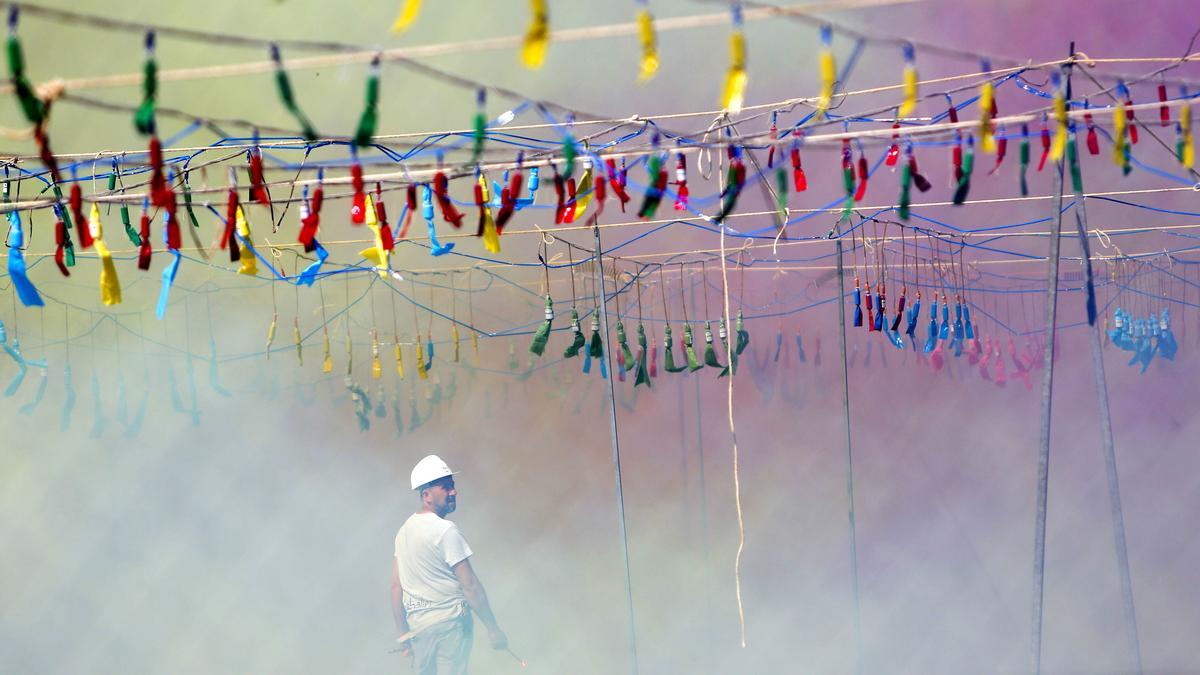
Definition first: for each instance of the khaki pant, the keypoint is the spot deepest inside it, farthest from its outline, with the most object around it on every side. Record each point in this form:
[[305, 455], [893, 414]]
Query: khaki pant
[[444, 648]]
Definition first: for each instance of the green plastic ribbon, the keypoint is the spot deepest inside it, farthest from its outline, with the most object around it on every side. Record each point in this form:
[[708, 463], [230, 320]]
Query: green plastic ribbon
[[288, 97], [370, 114], [143, 118]]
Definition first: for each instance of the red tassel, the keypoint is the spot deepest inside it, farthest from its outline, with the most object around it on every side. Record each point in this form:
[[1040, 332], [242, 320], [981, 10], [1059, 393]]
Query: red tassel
[[799, 180], [1001, 151], [569, 215], [1045, 147], [1133, 130], [411, 201], [601, 193], [862, 178], [681, 186], [560, 193], [60, 236], [615, 181], [482, 208], [144, 251], [1093, 144], [312, 222], [171, 206], [1164, 113], [441, 190], [358, 210], [653, 358], [81, 223], [893, 154], [258, 186], [385, 230], [956, 156], [158, 184]]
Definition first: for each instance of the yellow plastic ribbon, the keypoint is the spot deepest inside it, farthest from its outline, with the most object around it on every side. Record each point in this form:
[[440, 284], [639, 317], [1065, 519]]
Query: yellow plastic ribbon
[[491, 238], [987, 139], [910, 91], [249, 260], [475, 347], [377, 253], [828, 80], [734, 94], [296, 339], [421, 360], [1119, 126], [399, 359], [454, 338], [537, 38], [376, 368], [271, 334], [583, 193], [649, 46], [327, 364], [110, 285], [1059, 144], [408, 14], [1185, 127]]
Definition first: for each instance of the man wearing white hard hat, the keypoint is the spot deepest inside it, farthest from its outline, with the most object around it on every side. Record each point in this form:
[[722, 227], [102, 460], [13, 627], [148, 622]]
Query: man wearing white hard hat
[[434, 587]]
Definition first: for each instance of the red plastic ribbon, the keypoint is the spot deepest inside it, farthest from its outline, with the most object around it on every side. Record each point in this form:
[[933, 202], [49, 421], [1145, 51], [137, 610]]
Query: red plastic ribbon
[[358, 209], [85, 230], [441, 190]]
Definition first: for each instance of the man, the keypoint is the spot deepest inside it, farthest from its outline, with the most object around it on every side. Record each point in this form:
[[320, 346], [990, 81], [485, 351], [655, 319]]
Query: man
[[433, 582]]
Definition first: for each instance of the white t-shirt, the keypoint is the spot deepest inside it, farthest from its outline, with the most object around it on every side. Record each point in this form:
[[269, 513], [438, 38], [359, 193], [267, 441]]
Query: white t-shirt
[[427, 549]]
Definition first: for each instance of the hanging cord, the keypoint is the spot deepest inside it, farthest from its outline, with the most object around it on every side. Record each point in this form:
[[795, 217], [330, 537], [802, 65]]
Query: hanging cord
[[662, 287], [737, 478]]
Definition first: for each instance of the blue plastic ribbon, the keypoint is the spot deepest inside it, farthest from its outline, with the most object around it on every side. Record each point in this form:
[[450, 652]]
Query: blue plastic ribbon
[[437, 248], [168, 278], [309, 275], [16, 264]]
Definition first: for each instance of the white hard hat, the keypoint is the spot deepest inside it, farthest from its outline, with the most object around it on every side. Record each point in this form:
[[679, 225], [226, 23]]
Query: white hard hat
[[430, 468]]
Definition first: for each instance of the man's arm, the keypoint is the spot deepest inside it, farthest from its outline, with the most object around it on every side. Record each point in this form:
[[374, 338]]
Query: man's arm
[[398, 612], [477, 598]]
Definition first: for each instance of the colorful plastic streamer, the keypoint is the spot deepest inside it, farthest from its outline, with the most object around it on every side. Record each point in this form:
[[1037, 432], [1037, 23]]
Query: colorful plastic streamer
[[828, 72], [734, 93], [537, 38], [910, 82], [16, 264], [649, 63], [408, 14], [110, 285], [143, 117]]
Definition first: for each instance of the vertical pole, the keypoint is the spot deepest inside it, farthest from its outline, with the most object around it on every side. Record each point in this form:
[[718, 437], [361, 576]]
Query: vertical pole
[[849, 453], [1106, 436], [598, 259], [1043, 474]]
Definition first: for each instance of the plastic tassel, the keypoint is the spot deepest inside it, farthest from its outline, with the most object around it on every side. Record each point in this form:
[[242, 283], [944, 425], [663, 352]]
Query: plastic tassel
[[863, 175], [596, 345], [799, 179], [668, 353], [968, 166], [649, 62], [910, 82], [654, 189], [1120, 125], [847, 178], [538, 345], [376, 366], [904, 208], [1024, 159], [408, 14], [623, 345], [327, 355], [1185, 149], [441, 190], [299, 343], [735, 181], [828, 73], [31, 105], [733, 95], [479, 125], [284, 87], [643, 374], [143, 117], [487, 225], [1123, 92], [858, 313], [581, 196], [914, 315], [1001, 150], [379, 253], [370, 114], [76, 203], [537, 37], [26, 291], [932, 338], [690, 350], [61, 236], [246, 243], [110, 285], [1060, 117], [429, 352], [893, 153], [271, 334], [577, 340], [144, 250], [436, 247], [987, 102]]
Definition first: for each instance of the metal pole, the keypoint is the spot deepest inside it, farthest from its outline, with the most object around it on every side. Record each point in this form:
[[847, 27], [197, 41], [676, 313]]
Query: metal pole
[[841, 271], [1106, 436], [616, 446], [1043, 475]]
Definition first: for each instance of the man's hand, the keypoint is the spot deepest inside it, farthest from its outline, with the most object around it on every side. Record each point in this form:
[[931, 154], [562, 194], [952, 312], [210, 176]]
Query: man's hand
[[498, 639]]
